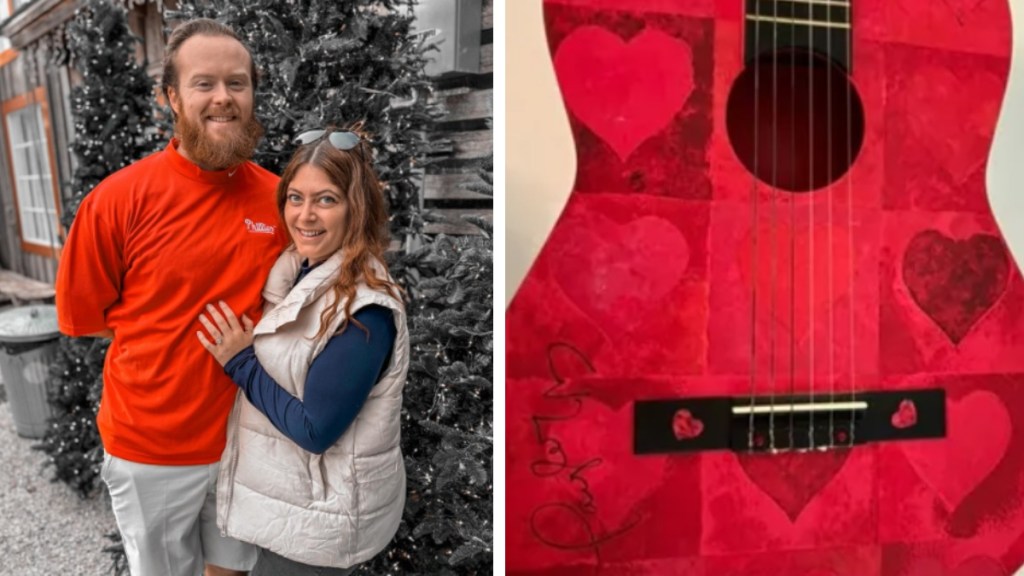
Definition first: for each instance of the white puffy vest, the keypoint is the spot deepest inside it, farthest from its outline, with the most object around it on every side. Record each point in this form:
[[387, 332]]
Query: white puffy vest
[[337, 509]]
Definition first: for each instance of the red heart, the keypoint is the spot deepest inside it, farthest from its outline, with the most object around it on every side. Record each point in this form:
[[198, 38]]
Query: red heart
[[617, 274], [905, 416], [793, 479], [685, 426], [977, 436], [624, 92], [955, 282]]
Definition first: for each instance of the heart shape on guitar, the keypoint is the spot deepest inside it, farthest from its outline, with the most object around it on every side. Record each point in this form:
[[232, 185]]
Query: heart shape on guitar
[[614, 273], [955, 282], [978, 434], [685, 426], [905, 416], [793, 479], [624, 92]]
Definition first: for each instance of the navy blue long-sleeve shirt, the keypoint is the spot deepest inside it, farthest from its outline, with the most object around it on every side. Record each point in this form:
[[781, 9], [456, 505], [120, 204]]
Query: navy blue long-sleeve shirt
[[338, 383]]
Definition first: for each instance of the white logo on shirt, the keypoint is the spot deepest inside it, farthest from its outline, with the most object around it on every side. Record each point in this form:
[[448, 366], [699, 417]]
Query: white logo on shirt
[[258, 227]]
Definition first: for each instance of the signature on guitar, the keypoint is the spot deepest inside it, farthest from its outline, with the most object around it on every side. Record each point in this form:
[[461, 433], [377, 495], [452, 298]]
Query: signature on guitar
[[574, 523]]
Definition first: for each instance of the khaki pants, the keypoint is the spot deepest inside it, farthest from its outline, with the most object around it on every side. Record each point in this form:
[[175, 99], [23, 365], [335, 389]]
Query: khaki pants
[[167, 516]]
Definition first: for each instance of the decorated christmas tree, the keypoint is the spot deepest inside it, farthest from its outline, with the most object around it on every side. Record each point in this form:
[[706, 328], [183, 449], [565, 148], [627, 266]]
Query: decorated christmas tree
[[448, 433], [112, 129]]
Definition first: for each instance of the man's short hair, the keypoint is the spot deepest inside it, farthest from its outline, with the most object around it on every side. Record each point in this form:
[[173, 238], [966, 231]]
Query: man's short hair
[[198, 27]]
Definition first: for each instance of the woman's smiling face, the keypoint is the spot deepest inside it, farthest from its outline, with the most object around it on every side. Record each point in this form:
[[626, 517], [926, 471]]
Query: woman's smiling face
[[315, 211]]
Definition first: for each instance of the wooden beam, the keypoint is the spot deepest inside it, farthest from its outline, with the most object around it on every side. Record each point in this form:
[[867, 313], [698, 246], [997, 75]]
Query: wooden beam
[[34, 20], [463, 104], [450, 187], [23, 288], [456, 225], [469, 145]]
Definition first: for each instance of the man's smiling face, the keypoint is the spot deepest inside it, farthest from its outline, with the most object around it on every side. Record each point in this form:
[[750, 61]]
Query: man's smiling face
[[213, 102]]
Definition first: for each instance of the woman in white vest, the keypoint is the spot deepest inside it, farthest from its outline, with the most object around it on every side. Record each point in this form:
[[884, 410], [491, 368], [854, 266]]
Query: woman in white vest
[[313, 473]]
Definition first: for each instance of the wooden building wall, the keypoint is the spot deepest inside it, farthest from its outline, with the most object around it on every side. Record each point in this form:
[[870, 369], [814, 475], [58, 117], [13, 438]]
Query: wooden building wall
[[469, 98], [41, 61]]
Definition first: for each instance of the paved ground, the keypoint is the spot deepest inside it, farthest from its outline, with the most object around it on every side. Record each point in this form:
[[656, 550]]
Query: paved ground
[[45, 528]]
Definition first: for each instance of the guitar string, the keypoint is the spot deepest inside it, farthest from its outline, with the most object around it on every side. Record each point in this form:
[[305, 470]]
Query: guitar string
[[849, 212], [754, 243], [810, 235], [830, 255], [792, 237], [773, 190]]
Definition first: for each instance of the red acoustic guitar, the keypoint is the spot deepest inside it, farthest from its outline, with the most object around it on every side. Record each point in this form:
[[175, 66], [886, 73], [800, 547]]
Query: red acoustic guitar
[[778, 328]]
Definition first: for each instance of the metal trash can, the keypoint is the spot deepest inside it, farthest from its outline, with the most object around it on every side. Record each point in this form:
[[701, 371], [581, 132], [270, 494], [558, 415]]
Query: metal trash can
[[28, 347]]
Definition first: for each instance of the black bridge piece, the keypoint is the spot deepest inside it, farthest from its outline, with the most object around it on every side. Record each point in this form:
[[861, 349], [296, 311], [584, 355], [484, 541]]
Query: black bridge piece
[[787, 423]]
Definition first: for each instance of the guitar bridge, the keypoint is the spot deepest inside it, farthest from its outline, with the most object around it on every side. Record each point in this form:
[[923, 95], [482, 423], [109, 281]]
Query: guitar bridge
[[785, 423]]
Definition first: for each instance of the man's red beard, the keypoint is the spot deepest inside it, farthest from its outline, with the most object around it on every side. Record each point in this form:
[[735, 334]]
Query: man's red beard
[[218, 154]]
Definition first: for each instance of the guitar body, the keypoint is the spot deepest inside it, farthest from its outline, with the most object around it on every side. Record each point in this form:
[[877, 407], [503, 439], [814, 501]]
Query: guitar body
[[676, 272]]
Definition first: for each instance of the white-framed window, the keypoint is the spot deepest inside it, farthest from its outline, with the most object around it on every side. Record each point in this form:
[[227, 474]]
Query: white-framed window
[[31, 163]]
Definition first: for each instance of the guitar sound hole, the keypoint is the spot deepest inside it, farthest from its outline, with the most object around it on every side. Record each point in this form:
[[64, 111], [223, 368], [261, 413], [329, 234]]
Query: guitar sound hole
[[808, 121]]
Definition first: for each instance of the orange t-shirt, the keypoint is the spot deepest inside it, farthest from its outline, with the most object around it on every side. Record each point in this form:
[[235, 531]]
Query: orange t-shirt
[[152, 245]]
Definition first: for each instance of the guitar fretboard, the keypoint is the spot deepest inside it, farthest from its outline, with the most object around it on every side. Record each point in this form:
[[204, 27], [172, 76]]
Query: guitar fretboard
[[822, 26]]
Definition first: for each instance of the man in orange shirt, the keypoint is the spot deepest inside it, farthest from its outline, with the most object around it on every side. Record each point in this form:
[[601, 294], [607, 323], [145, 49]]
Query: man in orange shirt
[[151, 247]]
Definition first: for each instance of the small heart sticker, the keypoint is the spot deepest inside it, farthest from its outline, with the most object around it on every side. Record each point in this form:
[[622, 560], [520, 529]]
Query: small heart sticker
[[905, 416], [685, 426]]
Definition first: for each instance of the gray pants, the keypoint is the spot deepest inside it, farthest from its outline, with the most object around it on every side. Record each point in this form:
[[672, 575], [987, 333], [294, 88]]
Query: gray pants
[[271, 564]]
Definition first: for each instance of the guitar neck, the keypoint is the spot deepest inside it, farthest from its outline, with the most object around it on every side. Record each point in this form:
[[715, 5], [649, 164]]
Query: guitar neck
[[820, 26]]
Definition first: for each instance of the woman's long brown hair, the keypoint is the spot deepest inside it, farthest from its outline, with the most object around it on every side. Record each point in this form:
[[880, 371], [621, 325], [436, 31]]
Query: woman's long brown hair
[[365, 237]]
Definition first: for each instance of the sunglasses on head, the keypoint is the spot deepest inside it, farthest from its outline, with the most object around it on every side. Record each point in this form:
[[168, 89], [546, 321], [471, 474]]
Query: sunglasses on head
[[340, 140]]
